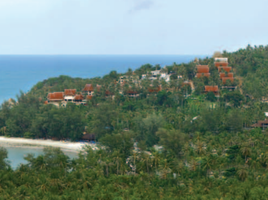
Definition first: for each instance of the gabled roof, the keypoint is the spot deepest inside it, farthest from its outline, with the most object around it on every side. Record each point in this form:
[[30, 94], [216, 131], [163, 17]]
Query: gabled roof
[[223, 64], [55, 96], [209, 88], [78, 97], [88, 88], [152, 89], [198, 75], [260, 123], [89, 97], [222, 75], [69, 92], [202, 69], [224, 79], [227, 69]]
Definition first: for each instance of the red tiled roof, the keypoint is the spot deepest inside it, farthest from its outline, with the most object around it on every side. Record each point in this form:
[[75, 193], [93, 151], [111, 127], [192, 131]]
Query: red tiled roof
[[227, 69], [107, 92], [78, 97], [89, 97], [198, 75], [230, 75], [46, 102], [211, 88], [218, 64], [55, 96], [88, 88], [224, 79], [69, 92], [151, 90], [202, 69], [222, 75], [260, 123]]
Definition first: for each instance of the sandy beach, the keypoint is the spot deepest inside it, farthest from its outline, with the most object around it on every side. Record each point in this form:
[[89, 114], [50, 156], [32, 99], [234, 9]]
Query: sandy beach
[[38, 143]]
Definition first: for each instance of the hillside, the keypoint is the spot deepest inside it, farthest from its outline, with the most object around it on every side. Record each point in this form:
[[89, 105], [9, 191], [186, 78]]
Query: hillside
[[162, 139]]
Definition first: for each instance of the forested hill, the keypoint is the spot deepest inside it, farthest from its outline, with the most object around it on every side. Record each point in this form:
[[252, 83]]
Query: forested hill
[[172, 143], [249, 65]]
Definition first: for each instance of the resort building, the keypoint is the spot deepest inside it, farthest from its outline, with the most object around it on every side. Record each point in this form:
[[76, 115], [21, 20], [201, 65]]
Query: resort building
[[221, 62], [202, 70], [69, 94], [88, 90], [261, 124], [213, 89]]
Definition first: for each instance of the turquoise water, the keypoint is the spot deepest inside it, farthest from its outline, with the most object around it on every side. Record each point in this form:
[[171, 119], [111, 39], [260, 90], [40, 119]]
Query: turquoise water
[[21, 72], [16, 155]]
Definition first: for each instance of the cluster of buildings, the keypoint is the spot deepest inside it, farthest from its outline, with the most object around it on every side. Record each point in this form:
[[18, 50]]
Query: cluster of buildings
[[224, 73], [161, 74], [71, 95]]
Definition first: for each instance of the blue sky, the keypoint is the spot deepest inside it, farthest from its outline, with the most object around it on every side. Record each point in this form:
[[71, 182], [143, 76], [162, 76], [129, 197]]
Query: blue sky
[[131, 26]]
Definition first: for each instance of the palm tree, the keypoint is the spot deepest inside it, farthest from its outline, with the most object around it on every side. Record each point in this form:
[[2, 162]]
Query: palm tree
[[246, 151], [242, 173]]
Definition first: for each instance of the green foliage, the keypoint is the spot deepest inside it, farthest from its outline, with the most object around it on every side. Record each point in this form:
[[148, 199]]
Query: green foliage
[[202, 149]]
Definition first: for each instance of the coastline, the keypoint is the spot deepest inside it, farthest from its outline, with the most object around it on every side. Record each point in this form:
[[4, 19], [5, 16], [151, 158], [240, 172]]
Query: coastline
[[75, 147]]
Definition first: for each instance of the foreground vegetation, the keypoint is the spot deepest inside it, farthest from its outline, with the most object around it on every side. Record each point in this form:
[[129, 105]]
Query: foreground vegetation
[[209, 150]]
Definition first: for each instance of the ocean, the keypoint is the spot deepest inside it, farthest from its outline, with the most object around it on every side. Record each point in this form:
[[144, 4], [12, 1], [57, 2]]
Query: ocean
[[21, 72], [16, 155]]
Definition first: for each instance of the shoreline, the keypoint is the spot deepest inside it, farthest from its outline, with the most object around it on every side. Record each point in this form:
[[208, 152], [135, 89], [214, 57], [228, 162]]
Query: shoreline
[[74, 147]]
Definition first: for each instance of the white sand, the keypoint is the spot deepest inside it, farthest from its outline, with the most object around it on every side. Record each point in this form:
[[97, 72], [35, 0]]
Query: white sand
[[70, 146]]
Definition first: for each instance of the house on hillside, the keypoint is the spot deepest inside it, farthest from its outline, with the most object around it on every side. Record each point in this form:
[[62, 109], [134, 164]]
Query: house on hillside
[[223, 75], [222, 69], [88, 137], [55, 97], [261, 124], [202, 70], [221, 62], [88, 90], [213, 89], [69, 94], [132, 93]]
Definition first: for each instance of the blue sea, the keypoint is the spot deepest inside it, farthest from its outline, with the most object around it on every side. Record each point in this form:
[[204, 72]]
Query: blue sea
[[21, 72]]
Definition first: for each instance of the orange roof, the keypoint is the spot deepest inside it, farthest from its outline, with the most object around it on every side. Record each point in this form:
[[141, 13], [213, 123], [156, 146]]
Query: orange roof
[[89, 97], [88, 88], [202, 69], [223, 75], [198, 75], [209, 88], [230, 75], [78, 97], [218, 64], [224, 79], [227, 69], [69, 92], [46, 102], [55, 96], [151, 90], [107, 92]]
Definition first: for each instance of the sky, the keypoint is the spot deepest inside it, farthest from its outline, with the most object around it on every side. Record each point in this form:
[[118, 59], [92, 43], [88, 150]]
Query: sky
[[189, 27]]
